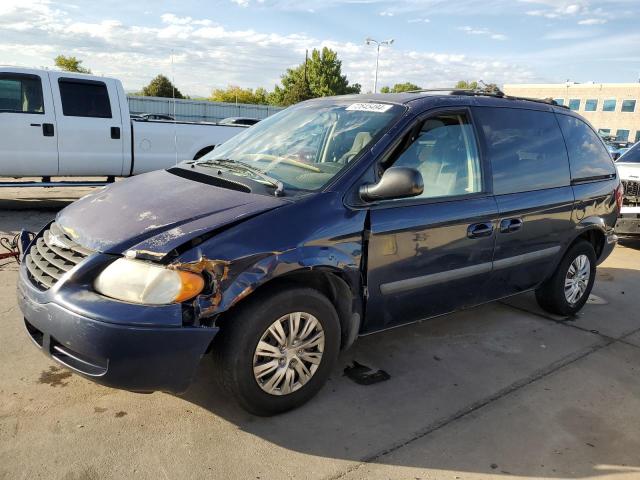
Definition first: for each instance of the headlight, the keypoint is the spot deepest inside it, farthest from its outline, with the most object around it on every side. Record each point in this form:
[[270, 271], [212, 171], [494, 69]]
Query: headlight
[[141, 282]]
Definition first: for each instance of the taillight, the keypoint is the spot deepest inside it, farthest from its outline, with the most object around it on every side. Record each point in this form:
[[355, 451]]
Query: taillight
[[619, 195]]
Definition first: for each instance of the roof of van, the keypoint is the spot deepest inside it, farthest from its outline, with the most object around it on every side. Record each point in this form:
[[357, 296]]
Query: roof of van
[[452, 97]]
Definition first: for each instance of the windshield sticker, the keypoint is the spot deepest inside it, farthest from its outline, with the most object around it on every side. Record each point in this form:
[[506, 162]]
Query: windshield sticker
[[369, 107]]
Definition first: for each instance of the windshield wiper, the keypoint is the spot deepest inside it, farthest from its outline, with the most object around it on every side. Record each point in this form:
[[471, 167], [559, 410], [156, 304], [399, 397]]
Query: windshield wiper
[[231, 164]]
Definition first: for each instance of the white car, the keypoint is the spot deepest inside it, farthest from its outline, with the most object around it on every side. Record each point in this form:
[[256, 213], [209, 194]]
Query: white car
[[629, 171], [55, 123]]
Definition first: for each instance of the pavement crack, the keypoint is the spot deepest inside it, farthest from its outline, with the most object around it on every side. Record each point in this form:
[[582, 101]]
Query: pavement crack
[[462, 413], [570, 323]]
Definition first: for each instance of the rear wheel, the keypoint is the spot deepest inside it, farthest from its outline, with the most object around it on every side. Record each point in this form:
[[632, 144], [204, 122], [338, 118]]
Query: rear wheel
[[276, 351], [566, 292]]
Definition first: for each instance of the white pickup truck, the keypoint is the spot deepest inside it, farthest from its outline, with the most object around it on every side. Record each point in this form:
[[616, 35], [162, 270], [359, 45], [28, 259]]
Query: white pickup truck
[[65, 124]]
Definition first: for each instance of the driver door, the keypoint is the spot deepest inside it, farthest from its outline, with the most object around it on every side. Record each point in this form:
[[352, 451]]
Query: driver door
[[431, 254]]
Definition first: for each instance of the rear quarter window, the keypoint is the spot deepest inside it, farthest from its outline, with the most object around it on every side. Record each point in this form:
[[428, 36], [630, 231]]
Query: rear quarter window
[[525, 148], [588, 157], [84, 98]]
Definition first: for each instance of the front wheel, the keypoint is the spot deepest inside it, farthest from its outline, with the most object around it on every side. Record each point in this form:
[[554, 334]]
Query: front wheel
[[566, 292], [277, 350]]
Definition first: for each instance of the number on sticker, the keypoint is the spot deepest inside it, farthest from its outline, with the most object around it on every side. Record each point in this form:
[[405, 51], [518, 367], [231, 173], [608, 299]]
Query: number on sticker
[[369, 107]]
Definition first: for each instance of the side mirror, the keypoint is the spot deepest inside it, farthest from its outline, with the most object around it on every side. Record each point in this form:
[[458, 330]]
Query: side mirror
[[396, 182]]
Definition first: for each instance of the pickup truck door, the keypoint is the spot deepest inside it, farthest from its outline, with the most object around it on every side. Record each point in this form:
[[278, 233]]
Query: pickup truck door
[[90, 136], [432, 254], [29, 141]]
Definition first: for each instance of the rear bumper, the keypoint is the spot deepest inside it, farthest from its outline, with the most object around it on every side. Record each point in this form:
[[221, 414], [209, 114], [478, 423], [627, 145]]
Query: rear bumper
[[136, 358], [629, 221]]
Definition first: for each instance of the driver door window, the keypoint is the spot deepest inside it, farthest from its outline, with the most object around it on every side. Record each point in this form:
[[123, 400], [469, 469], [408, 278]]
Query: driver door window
[[446, 154]]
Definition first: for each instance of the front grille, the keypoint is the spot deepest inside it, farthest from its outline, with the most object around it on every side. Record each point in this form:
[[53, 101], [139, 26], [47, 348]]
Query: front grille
[[51, 256], [631, 189]]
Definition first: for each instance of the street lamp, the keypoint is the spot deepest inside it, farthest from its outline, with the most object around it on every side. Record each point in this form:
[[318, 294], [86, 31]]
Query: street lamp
[[370, 41]]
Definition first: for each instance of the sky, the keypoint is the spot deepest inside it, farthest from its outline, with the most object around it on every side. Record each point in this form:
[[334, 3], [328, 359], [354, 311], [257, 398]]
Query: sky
[[211, 44]]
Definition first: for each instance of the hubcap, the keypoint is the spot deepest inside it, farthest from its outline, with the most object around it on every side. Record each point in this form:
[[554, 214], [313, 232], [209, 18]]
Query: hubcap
[[288, 353], [577, 279]]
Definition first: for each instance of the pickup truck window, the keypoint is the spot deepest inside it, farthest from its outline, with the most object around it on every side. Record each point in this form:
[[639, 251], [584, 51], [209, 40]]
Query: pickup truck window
[[84, 98], [21, 93], [306, 145], [446, 154]]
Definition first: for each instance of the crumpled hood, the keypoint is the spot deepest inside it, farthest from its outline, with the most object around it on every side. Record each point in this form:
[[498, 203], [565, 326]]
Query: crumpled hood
[[628, 171], [155, 213]]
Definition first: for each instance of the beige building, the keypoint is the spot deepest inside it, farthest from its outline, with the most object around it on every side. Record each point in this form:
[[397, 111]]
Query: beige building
[[612, 108]]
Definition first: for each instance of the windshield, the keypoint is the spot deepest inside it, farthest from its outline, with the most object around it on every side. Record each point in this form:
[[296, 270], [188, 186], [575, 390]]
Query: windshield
[[306, 145], [632, 155]]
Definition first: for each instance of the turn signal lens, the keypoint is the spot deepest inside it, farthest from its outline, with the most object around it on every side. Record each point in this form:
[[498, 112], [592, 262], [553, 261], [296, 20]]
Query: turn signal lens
[[192, 285], [619, 196]]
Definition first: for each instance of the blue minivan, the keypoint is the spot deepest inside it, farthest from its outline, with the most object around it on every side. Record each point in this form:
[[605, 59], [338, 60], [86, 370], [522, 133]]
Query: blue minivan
[[334, 218]]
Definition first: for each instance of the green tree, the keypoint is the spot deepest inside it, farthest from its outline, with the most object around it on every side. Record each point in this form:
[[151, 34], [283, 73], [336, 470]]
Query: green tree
[[323, 78], [161, 86], [400, 87], [233, 94], [70, 64], [466, 85], [479, 85]]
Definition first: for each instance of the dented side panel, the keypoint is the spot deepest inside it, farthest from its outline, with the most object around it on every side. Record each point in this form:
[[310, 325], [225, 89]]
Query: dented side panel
[[240, 260]]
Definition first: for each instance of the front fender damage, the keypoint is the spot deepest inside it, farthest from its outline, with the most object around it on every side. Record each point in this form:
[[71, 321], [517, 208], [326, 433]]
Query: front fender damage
[[231, 282]]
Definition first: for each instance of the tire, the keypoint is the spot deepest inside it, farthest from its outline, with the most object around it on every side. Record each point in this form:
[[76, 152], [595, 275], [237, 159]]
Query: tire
[[235, 349], [551, 294]]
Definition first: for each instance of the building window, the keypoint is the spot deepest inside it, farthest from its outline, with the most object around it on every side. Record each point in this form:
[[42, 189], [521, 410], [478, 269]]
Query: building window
[[591, 105], [628, 105], [574, 104], [622, 135], [609, 106], [559, 101], [638, 136], [604, 132]]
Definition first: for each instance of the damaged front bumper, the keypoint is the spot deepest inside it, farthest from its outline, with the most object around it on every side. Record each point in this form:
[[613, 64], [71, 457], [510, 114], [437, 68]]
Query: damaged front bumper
[[121, 345], [629, 221]]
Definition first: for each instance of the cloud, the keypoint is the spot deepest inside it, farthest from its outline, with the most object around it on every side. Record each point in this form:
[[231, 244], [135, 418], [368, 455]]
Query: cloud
[[419, 20], [592, 21], [386, 13], [482, 31], [590, 12], [207, 54], [241, 3]]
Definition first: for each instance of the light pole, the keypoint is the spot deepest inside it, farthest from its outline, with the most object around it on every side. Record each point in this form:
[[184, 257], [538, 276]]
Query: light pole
[[370, 41]]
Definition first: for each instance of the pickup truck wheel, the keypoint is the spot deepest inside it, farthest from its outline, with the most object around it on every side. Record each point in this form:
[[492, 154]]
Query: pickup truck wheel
[[566, 292], [276, 351]]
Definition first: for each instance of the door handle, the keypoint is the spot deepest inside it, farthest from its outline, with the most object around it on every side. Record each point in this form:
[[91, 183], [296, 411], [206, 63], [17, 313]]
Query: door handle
[[510, 225], [47, 129], [479, 230], [115, 133]]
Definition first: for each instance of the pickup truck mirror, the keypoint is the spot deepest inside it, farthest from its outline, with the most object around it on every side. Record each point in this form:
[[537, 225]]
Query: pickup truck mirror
[[396, 182]]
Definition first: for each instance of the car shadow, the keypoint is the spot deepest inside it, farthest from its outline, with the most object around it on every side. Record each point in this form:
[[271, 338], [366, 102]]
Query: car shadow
[[39, 203], [447, 369], [630, 242]]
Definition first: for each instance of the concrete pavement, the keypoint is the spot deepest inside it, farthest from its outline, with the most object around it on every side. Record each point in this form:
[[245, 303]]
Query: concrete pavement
[[500, 391]]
